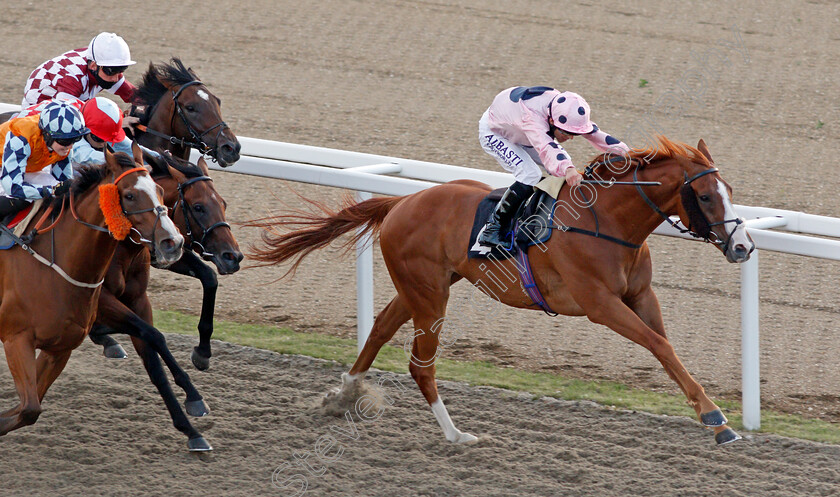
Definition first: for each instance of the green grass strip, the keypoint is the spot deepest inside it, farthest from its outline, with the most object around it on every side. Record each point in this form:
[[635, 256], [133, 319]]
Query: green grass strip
[[608, 393]]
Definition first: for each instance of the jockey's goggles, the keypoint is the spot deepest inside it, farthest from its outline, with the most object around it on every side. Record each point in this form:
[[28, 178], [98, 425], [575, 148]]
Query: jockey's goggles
[[113, 70], [66, 142]]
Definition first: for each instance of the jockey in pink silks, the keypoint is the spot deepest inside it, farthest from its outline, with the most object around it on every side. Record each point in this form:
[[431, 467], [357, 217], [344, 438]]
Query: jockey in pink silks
[[523, 129]]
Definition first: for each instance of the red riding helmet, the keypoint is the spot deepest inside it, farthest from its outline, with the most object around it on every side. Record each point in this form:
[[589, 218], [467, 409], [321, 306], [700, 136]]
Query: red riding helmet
[[104, 119]]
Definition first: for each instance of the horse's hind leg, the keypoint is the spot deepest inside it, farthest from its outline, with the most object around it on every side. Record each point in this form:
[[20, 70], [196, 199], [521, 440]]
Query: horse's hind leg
[[20, 356], [100, 335], [426, 289], [387, 322]]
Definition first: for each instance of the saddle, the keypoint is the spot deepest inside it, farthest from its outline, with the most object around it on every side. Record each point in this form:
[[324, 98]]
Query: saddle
[[15, 224], [532, 224]]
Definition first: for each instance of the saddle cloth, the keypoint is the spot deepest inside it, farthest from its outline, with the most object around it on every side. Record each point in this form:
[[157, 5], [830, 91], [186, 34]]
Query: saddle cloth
[[19, 222], [532, 222]]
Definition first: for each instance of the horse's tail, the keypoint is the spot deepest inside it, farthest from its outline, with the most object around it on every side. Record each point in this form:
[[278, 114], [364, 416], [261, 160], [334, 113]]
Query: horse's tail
[[305, 232]]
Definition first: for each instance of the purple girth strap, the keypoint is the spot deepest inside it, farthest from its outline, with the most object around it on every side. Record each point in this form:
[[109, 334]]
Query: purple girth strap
[[528, 282]]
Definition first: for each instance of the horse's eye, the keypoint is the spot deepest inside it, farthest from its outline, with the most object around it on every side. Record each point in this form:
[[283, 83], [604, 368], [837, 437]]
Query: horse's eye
[[704, 198], [129, 196], [191, 108], [198, 208]]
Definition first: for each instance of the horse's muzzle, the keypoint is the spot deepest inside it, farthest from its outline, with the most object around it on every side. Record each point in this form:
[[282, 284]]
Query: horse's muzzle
[[227, 262], [227, 153], [169, 250]]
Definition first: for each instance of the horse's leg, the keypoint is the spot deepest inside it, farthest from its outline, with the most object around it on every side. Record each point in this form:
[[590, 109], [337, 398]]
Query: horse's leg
[[20, 356], [49, 365], [641, 322], [425, 290], [100, 335], [387, 322], [151, 361], [117, 316], [190, 265]]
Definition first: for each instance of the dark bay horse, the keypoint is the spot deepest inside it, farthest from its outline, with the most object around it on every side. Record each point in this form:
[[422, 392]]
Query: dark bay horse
[[180, 113], [51, 307], [424, 239], [199, 213]]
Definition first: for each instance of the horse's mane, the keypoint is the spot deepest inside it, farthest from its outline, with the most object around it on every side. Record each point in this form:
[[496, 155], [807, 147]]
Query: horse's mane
[[186, 168], [87, 177], [156, 83], [665, 149]]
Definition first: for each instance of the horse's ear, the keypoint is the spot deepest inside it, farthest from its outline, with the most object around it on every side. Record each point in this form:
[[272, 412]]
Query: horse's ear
[[111, 161], [137, 152], [701, 146], [176, 174], [202, 164]]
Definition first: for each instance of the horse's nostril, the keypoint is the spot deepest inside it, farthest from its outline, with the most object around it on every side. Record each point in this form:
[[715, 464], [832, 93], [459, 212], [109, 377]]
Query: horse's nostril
[[740, 249]]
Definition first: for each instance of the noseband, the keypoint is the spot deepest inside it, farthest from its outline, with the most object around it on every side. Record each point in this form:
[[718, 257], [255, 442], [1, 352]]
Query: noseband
[[197, 245]]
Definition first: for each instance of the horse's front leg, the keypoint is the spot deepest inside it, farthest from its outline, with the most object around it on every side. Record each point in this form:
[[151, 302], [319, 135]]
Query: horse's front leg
[[643, 325], [20, 357], [151, 343], [191, 265]]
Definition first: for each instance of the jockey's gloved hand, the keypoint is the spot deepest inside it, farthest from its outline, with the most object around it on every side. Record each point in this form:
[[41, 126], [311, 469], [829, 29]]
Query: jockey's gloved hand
[[46, 192], [61, 189]]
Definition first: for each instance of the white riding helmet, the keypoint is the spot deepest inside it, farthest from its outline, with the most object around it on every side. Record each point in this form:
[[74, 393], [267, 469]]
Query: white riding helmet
[[108, 49]]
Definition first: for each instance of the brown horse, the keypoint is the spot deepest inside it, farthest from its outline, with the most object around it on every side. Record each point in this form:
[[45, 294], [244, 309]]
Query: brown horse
[[50, 305], [180, 113], [199, 213], [424, 239]]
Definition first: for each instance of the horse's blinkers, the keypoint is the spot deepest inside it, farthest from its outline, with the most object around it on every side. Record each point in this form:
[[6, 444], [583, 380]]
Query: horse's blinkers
[[697, 221]]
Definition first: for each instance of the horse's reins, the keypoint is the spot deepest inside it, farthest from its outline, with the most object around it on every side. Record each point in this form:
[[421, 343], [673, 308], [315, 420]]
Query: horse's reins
[[199, 143], [188, 212], [687, 230], [51, 263], [638, 184]]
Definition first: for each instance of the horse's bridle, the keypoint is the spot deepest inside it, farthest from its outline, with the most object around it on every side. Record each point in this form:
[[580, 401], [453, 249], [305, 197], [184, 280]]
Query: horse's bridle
[[198, 142], [711, 237], [188, 212]]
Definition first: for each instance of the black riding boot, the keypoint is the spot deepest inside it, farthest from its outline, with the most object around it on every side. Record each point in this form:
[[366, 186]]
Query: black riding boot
[[10, 206], [498, 225]]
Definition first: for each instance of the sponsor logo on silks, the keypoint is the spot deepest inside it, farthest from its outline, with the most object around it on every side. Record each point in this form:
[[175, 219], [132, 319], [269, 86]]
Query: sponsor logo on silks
[[510, 157]]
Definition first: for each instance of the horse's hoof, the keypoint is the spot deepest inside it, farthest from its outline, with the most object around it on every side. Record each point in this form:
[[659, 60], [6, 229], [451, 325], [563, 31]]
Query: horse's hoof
[[197, 408], [114, 351], [726, 436], [465, 438], [199, 445], [713, 418], [200, 362]]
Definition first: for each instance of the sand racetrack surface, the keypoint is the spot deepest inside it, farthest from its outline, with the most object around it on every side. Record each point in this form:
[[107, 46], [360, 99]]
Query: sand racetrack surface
[[411, 79]]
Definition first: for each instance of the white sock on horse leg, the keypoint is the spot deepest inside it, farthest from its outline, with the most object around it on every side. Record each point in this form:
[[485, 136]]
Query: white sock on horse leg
[[450, 432]]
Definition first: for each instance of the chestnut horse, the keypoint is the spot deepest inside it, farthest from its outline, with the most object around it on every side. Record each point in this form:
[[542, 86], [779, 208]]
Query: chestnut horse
[[199, 213], [51, 304], [424, 239], [180, 113]]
